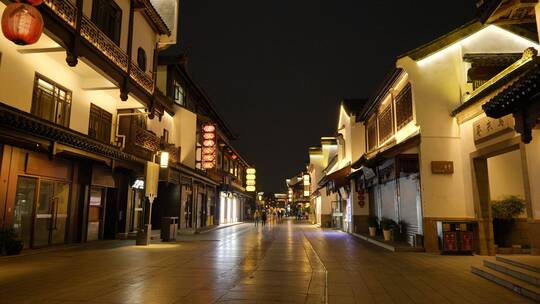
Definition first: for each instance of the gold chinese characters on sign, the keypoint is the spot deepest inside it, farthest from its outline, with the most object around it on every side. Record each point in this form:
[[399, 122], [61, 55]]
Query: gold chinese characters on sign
[[486, 128], [442, 167]]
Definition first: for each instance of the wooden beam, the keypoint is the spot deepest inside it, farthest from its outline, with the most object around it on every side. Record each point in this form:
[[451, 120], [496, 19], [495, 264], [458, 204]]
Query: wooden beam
[[41, 50], [99, 88]]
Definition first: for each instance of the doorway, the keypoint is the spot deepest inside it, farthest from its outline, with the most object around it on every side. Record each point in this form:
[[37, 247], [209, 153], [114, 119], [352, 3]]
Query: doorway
[[498, 172], [41, 211], [96, 212], [505, 178]]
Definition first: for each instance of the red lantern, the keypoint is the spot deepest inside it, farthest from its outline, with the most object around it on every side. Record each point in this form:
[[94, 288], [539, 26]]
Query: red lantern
[[209, 143], [22, 23], [31, 2]]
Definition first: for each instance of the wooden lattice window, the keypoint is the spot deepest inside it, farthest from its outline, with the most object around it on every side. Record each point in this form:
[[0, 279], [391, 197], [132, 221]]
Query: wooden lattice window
[[99, 124], [386, 127], [372, 133], [51, 101], [404, 112]]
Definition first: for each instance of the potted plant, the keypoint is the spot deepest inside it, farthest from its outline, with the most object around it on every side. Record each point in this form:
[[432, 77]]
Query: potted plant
[[373, 225], [387, 226], [504, 211], [9, 242]]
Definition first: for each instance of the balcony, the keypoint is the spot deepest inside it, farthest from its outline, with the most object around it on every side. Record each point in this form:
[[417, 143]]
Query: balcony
[[138, 141], [146, 139], [67, 12]]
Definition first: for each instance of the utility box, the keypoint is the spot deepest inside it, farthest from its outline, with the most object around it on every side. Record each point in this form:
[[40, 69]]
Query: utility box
[[169, 228], [456, 237]]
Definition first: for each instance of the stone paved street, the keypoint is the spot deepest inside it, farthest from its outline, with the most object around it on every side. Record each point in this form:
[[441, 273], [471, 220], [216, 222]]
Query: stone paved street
[[287, 263]]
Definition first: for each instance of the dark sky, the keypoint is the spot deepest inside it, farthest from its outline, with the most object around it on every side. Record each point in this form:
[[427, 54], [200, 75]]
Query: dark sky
[[276, 69]]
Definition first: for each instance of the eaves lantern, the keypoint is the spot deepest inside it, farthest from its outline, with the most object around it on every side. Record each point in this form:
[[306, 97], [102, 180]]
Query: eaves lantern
[[250, 180], [22, 23], [209, 146]]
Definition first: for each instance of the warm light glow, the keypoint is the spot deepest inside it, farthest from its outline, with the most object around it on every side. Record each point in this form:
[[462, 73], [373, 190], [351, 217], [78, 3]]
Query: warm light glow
[[493, 29], [208, 165], [209, 128], [209, 143], [306, 193], [209, 135], [208, 158], [164, 159], [306, 180], [250, 179]]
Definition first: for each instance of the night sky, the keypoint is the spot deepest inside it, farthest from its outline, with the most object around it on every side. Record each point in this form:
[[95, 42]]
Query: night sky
[[276, 69]]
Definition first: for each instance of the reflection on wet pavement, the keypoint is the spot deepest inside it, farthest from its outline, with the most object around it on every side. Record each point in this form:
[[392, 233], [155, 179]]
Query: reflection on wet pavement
[[286, 263], [237, 264]]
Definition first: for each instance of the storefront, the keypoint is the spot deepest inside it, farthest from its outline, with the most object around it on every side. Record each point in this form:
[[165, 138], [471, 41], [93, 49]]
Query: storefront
[[229, 207]]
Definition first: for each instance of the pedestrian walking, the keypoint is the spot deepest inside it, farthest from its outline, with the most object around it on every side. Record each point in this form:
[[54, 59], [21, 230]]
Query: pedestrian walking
[[264, 218], [257, 217]]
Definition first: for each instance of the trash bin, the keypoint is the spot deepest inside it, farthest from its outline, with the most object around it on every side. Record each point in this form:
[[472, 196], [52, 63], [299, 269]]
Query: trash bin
[[169, 228]]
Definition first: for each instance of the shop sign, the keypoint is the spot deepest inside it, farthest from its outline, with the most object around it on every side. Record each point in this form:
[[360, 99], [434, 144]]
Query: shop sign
[[486, 128], [442, 167]]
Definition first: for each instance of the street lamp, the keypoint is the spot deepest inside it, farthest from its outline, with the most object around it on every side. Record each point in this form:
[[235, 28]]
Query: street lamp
[[164, 159]]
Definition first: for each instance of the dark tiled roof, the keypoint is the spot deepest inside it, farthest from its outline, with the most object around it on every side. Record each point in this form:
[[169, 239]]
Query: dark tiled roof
[[518, 93], [381, 91], [353, 105], [486, 8], [445, 40], [500, 80]]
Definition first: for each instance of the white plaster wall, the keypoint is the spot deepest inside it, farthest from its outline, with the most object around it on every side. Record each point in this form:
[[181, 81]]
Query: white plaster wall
[[185, 129], [161, 78], [505, 173], [532, 151], [145, 37], [17, 72], [358, 141], [438, 84], [167, 122], [124, 6]]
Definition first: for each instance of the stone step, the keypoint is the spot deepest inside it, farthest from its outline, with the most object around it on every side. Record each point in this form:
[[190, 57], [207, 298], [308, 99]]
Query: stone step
[[517, 263], [518, 286], [519, 273]]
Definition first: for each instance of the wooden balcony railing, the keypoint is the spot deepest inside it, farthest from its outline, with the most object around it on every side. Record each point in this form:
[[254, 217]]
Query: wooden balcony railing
[[90, 32], [146, 139]]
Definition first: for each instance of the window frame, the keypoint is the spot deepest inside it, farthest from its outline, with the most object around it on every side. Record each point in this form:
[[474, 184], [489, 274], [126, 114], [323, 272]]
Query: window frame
[[404, 96], [113, 13], [104, 123], [56, 89], [141, 59]]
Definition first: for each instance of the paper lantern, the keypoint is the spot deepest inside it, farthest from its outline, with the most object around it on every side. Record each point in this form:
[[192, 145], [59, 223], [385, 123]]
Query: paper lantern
[[32, 2], [22, 23]]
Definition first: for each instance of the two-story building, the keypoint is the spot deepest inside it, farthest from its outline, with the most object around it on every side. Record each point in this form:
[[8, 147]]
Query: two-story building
[[66, 172], [437, 164], [211, 186]]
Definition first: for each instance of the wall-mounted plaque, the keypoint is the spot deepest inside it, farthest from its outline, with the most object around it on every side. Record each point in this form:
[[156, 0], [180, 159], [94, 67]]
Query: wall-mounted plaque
[[442, 167], [486, 128]]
